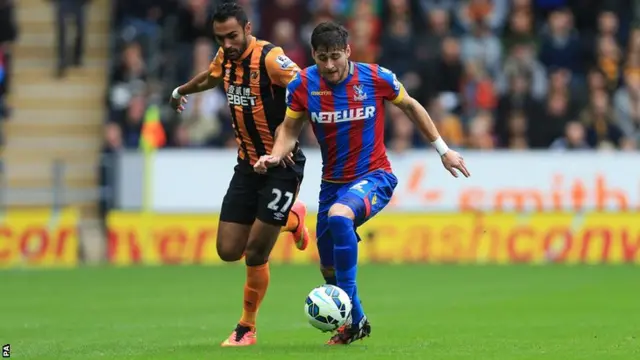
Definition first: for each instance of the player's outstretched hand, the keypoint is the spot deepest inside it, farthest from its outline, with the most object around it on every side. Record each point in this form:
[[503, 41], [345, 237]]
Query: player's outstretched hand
[[453, 161], [178, 104]]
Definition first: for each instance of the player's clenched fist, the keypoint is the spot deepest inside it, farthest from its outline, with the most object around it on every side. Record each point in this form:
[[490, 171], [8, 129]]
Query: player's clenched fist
[[453, 160]]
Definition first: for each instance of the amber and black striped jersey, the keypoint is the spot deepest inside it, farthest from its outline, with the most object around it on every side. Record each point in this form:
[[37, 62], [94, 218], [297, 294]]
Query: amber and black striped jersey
[[255, 85]]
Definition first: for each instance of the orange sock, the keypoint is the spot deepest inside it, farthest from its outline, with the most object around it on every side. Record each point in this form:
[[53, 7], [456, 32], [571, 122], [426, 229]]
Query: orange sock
[[254, 291], [292, 222]]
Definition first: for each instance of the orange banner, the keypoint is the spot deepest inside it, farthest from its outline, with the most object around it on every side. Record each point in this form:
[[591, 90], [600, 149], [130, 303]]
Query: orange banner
[[400, 238], [39, 238]]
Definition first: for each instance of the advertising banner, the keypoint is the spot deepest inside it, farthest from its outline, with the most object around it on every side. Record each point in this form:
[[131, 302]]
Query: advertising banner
[[39, 238], [186, 181], [472, 238]]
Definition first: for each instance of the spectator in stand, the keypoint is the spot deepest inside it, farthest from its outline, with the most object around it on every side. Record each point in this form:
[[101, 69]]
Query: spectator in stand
[[560, 47], [598, 118], [517, 131], [284, 36], [444, 75], [129, 76], [482, 46], [627, 106], [128, 124], [398, 45], [521, 59], [429, 43], [365, 30], [193, 25], [481, 132], [518, 100], [574, 138], [74, 9], [273, 11]]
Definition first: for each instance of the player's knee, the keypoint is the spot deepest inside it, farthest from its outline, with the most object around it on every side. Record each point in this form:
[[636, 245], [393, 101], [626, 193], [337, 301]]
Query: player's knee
[[341, 210], [228, 252], [256, 255], [340, 227]]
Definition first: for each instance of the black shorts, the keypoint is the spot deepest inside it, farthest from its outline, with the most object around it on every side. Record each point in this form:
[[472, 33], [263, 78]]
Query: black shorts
[[266, 197]]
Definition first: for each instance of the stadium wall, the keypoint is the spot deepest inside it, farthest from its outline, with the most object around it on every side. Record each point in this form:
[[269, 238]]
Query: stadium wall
[[529, 207]]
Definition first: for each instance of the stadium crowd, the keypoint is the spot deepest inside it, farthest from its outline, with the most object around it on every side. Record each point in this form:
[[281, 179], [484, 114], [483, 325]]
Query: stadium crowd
[[516, 74]]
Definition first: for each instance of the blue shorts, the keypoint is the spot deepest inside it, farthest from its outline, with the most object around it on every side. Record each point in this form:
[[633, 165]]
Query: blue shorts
[[366, 196]]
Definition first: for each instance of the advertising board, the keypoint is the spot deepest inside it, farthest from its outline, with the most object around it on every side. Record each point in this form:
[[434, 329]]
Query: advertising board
[[39, 238], [463, 238]]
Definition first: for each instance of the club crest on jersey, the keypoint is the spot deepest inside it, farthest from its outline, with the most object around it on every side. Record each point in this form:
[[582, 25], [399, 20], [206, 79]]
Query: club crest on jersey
[[359, 94], [254, 76]]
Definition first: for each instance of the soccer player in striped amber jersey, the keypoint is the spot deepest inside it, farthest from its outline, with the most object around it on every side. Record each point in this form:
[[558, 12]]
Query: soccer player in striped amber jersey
[[345, 101], [256, 207]]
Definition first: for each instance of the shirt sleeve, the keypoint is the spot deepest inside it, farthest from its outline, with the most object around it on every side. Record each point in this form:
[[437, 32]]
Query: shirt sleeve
[[295, 98], [280, 68], [215, 67], [390, 86]]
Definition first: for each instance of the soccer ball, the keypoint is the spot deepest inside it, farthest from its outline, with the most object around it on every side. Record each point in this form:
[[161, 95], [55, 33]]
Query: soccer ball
[[327, 307]]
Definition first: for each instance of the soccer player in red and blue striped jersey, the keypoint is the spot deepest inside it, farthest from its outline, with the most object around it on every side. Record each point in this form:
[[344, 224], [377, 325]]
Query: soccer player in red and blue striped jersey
[[345, 101]]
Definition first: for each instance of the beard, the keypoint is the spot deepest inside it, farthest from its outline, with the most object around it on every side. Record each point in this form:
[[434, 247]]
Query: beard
[[234, 53]]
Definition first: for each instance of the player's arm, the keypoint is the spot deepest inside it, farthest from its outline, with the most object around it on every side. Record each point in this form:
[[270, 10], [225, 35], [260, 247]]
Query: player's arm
[[280, 68], [420, 117], [395, 92], [203, 81], [287, 134], [289, 130]]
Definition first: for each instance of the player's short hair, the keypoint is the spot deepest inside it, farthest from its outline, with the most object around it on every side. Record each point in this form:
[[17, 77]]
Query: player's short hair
[[227, 10], [330, 36]]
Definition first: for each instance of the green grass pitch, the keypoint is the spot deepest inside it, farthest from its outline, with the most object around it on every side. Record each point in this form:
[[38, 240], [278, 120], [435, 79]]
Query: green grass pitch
[[417, 312]]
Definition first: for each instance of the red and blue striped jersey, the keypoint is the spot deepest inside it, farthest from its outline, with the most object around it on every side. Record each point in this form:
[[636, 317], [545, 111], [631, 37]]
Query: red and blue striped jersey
[[348, 118]]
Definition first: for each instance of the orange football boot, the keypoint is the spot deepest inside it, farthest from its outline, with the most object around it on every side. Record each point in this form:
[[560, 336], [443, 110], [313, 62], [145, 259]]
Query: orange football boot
[[241, 336], [301, 233]]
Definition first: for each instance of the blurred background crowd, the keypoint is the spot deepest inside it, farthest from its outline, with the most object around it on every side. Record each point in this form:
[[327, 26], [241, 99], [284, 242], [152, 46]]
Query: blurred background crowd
[[494, 74]]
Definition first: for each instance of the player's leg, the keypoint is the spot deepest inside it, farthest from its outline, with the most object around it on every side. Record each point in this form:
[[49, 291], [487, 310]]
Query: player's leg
[[275, 199], [237, 216], [262, 238], [365, 198], [239, 207], [296, 225], [329, 192], [324, 241]]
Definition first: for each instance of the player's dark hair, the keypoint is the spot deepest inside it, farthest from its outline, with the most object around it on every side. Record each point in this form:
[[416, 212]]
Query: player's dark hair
[[330, 36], [227, 10]]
